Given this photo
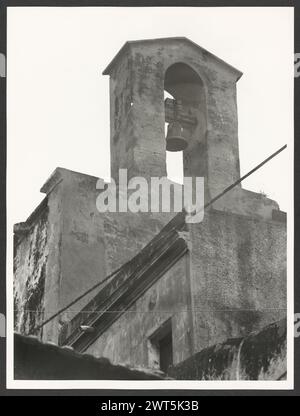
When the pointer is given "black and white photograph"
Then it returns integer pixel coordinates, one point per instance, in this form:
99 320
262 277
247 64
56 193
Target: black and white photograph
150 164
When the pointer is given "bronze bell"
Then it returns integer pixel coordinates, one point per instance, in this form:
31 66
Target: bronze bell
175 141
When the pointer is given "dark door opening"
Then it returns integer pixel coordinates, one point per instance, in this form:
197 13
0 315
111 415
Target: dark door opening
165 352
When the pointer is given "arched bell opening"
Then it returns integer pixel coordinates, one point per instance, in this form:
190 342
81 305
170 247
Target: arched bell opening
185 117
174 160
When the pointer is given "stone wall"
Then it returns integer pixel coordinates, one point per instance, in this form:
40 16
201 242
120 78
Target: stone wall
127 341
37 267
30 262
82 247
261 356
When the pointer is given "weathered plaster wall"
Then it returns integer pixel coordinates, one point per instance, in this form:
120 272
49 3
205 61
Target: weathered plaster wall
127 340
137 110
238 275
37 266
82 246
261 356
237 262
34 360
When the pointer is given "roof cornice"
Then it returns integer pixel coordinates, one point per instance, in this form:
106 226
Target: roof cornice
128 44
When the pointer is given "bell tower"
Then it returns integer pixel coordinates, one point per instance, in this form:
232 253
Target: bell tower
201 116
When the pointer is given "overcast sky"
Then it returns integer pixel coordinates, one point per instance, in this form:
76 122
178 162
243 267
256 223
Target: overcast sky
58 101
